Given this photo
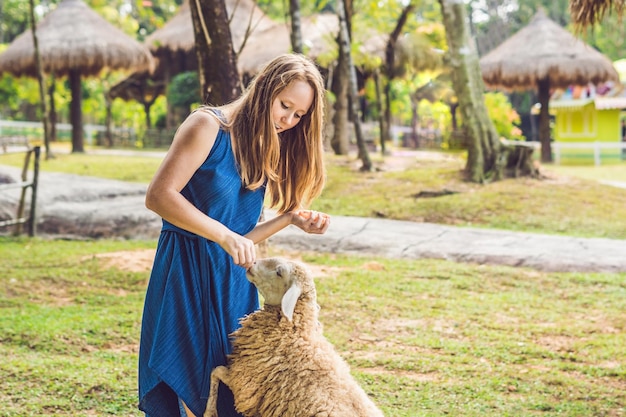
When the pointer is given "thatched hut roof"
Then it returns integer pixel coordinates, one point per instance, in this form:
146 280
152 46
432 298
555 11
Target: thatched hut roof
588 12
177 33
262 46
544 50
73 37
266 40
137 87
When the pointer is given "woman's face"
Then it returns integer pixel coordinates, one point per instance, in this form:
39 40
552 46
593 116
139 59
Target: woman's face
291 104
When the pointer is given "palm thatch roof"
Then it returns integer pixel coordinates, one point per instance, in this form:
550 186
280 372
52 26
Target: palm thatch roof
177 33
543 50
262 46
264 39
174 44
588 12
73 37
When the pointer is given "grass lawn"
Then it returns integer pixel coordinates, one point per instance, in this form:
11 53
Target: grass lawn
608 172
424 338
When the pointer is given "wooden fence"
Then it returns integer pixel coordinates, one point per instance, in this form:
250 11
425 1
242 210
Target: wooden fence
31 154
579 151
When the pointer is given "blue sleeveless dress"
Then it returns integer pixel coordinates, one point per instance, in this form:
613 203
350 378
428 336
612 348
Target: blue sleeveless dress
196 294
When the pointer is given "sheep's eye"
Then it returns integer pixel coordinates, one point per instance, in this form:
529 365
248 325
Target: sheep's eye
279 272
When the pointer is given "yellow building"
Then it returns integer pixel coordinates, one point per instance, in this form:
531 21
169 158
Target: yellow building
586 129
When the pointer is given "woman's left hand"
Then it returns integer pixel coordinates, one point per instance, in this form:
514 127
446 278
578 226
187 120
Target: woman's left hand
310 221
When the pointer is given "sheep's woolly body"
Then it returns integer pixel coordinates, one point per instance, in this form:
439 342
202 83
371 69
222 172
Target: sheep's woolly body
282 368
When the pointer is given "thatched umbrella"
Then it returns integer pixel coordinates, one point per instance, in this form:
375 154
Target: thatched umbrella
174 47
75 41
588 12
175 35
543 55
174 43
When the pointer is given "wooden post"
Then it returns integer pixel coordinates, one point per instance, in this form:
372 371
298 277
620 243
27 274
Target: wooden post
32 224
21 204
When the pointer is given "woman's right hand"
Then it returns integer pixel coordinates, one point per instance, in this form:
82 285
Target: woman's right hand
240 248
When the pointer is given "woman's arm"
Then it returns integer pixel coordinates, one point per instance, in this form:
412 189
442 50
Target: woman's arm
313 222
191 146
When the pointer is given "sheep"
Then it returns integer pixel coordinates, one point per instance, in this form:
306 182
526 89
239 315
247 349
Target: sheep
281 364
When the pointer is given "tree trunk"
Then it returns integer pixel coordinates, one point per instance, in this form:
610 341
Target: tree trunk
543 87
296 26
217 63
386 134
344 45
170 119
53 110
76 118
40 79
108 121
340 139
486 159
382 125
453 106
415 118
390 58
146 109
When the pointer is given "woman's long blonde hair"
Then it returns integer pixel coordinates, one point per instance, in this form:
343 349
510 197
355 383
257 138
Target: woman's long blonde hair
290 163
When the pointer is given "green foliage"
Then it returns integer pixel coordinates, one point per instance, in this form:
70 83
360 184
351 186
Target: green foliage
9 101
152 16
428 111
184 90
14 19
158 112
416 54
603 37
504 117
19 97
279 10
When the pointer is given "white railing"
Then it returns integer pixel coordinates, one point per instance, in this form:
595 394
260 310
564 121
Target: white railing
558 147
89 129
597 147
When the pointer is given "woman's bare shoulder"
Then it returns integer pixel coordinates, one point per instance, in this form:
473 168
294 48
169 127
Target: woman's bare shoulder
203 117
198 126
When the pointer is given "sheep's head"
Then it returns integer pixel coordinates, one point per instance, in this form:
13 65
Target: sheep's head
281 282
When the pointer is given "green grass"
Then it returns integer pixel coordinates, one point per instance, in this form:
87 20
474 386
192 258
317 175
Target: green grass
567 201
69 329
124 168
423 337
607 172
554 204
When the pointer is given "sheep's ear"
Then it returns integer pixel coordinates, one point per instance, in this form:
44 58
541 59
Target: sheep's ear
288 304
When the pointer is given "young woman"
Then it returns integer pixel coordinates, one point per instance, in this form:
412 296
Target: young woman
222 164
